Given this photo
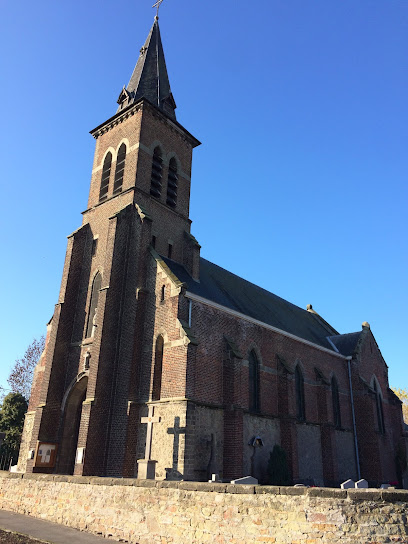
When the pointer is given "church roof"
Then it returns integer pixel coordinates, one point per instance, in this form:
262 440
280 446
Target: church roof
346 343
226 289
150 79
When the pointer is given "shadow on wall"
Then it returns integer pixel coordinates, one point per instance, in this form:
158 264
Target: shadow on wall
173 473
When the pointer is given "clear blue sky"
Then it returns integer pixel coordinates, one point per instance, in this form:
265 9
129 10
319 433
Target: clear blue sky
300 185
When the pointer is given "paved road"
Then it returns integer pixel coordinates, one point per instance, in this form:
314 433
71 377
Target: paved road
45 530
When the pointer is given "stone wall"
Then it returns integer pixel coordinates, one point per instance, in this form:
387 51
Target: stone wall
149 512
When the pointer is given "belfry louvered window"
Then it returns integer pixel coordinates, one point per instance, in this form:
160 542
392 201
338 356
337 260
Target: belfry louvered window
103 193
172 184
157 173
300 395
120 170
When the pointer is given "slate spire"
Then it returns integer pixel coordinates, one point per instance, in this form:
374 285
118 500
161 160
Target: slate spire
150 79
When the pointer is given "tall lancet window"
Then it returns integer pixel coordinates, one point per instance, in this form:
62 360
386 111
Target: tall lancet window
120 170
172 183
157 173
379 406
93 305
103 193
300 394
336 403
158 368
253 366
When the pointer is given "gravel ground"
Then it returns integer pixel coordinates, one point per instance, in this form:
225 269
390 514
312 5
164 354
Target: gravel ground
15 538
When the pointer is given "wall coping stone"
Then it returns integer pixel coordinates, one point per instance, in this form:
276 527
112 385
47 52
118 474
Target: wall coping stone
364 494
241 489
5 474
394 495
208 487
267 489
97 480
327 493
376 495
293 490
167 484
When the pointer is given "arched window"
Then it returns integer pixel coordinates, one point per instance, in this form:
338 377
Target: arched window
379 406
158 368
157 171
254 404
103 193
172 183
336 403
93 304
300 394
120 170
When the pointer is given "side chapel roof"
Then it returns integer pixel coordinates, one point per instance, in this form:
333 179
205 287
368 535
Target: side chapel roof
346 343
222 287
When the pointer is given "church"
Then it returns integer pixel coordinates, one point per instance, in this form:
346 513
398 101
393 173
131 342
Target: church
159 364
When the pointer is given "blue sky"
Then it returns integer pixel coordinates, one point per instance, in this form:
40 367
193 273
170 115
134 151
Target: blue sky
300 185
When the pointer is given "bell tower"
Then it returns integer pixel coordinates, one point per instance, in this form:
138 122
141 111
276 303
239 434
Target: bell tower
143 155
83 405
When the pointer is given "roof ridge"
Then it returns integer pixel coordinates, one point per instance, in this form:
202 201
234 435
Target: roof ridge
345 334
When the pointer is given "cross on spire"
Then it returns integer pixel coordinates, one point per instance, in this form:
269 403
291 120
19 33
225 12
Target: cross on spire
157 5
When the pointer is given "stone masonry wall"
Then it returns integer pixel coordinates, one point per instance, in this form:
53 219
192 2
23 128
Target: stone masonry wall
149 512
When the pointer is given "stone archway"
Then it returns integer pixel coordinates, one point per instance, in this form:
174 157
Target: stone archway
70 431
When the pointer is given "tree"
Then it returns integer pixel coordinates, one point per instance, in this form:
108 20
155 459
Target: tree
21 376
12 414
403 395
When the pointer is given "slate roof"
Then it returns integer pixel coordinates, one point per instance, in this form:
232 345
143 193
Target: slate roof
346 343
222 287
150 79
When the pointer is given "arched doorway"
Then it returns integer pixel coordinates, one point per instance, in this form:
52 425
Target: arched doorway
70 431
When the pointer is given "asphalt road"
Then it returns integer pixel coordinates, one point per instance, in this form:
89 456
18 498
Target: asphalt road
46 530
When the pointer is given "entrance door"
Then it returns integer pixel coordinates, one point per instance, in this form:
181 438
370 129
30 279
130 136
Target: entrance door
72 420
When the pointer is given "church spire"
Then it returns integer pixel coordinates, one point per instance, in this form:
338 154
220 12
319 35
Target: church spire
149 79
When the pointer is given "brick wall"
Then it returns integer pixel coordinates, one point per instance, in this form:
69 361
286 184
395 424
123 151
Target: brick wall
148 512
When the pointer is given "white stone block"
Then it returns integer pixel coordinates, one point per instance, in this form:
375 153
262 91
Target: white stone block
80 456
362 484
348 484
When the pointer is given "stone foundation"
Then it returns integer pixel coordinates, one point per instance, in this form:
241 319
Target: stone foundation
149 512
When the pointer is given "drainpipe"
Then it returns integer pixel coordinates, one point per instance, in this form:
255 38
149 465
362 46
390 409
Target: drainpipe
354 419
190 307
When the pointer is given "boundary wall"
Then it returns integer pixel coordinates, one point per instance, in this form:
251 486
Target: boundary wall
165 512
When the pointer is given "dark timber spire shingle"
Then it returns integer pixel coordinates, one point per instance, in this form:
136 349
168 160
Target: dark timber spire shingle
150 79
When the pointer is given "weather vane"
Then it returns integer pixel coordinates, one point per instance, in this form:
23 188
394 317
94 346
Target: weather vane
157 5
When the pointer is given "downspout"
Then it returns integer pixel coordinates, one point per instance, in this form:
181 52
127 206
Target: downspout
190 306
354 418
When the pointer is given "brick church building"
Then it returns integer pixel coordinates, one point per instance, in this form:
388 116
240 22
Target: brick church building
159 363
